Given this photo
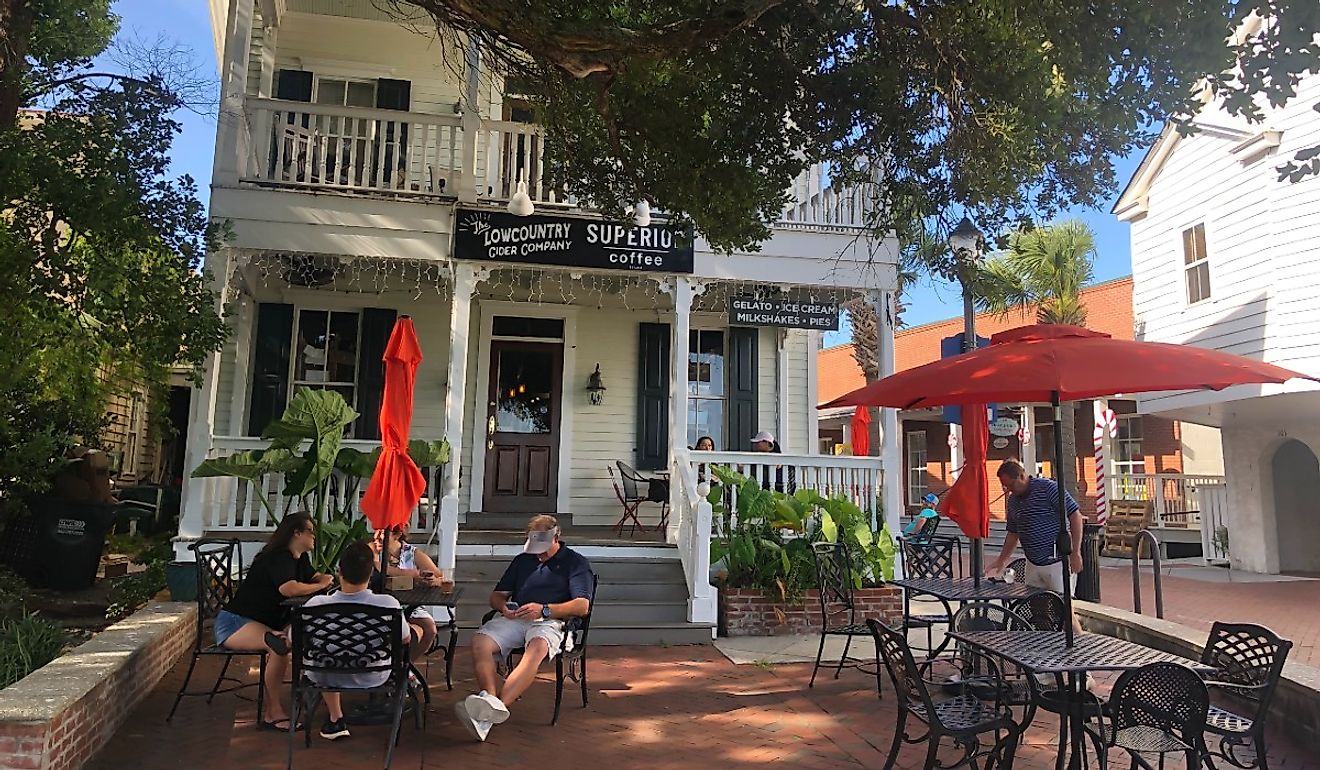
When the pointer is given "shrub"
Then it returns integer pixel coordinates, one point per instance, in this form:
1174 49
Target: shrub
27 643
133 591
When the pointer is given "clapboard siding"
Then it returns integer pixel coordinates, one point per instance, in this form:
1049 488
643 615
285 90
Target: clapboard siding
606 433
798 402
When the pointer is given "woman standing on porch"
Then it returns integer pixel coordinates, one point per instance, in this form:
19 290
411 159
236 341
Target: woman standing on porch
255 618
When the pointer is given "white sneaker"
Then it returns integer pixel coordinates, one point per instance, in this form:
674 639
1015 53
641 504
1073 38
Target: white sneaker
478 730
484 707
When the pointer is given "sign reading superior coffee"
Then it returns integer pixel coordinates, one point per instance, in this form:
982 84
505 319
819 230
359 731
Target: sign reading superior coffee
778 311
499 236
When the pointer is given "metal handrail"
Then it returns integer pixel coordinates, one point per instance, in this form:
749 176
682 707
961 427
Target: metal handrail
1154 541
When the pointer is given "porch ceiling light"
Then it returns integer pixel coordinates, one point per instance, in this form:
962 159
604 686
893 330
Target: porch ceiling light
595 387
520 205
642 213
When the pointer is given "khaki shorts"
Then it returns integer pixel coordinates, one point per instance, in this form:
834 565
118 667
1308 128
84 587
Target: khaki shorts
1049 577
511 634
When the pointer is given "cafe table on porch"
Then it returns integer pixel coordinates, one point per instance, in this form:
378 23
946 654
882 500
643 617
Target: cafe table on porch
948 590
1047 652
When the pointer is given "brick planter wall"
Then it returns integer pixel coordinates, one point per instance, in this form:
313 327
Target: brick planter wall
751 612
60 715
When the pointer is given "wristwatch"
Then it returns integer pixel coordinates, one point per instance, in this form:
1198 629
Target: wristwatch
545 611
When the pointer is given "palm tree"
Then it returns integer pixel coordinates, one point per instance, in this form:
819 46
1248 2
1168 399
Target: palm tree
1044 268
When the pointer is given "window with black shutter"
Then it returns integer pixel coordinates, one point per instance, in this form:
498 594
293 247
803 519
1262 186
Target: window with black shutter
393 95
270 365
653 396
377 324
741 402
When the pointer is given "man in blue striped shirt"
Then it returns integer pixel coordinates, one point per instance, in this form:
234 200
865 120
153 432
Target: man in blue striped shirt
1033 520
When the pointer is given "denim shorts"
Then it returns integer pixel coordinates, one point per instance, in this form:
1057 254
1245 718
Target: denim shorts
227 624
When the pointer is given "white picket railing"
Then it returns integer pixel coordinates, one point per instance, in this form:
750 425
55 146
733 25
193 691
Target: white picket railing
692 516
1214 520
1178 500
858 479
231 505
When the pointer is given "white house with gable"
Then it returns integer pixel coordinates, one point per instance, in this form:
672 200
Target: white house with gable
1226 255
366 168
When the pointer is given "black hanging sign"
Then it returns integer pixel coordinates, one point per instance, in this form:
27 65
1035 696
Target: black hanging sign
498 236
784 311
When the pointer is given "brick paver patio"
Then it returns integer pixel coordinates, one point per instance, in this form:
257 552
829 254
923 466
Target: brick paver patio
677 707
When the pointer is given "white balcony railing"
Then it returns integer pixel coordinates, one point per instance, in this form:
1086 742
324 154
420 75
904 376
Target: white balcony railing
692 517
1177 500
231 505
355 149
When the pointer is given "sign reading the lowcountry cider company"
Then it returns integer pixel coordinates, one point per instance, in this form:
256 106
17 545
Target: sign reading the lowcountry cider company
498 236
786 312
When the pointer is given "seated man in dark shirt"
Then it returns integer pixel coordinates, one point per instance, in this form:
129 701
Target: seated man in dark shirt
546 584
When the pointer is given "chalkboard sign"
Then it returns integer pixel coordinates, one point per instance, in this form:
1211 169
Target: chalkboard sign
784 312
498 236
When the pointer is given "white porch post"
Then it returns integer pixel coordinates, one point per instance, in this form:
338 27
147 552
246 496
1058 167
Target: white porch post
231 145
201 426
460 318
813 394
685 289
781 391
891 449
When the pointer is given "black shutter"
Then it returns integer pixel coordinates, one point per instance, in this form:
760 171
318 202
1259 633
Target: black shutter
743 414
270 365
391 95
653 397
377 324
294 85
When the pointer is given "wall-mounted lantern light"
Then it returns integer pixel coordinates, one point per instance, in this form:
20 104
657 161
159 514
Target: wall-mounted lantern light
595 387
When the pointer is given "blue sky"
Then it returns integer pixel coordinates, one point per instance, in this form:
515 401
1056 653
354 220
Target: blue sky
188 22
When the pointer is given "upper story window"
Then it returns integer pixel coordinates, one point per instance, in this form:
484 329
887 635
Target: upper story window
346 93
1196 264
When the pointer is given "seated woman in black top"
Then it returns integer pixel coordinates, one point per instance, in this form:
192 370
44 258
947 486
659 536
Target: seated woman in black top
255 618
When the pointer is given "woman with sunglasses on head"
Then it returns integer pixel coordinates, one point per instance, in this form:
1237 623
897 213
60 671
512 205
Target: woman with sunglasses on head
256 617
405 559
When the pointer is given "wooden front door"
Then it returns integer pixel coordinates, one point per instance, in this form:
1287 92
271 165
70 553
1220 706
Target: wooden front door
522 427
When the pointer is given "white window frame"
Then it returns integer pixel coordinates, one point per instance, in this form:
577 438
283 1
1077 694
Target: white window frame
917 462
346 80
295 351
721 441
1200 261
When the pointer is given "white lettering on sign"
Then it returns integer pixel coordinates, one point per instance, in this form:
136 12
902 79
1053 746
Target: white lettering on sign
70 527
644 238
542 231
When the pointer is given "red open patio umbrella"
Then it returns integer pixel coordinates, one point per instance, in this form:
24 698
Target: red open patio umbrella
861 432
1054 363
397 484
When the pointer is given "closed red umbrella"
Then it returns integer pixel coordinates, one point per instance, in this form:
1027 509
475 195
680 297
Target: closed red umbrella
1054 363
967 502
861 432
397 484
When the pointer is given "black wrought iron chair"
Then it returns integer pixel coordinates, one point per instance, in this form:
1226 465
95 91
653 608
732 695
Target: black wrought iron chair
838 610
1043 611
1019 567
1019 688
1248 661
938 558
341 639
964 717
219 568
571 662
629 486
1158 709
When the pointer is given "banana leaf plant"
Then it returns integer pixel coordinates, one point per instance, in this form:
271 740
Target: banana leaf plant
321 476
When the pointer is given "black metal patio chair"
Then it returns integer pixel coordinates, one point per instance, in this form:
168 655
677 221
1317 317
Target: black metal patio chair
219 568
1018 687
838 610
963 718
341 639
1043 611
1159 709
939 557
1019 567
571 662
1248 661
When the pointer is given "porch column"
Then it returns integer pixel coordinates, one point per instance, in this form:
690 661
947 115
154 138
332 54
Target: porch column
465 282
781 391
685 289
891 443
232 145
201 426
813 394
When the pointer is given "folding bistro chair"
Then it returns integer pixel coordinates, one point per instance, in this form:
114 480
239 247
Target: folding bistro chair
628 488
217 580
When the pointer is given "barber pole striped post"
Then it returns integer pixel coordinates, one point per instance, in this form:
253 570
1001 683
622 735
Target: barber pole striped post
1106 422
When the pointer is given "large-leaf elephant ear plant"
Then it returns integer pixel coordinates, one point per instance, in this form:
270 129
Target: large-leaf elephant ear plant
320 474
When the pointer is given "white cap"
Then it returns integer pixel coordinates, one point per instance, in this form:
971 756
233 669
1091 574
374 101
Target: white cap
540 540
765 436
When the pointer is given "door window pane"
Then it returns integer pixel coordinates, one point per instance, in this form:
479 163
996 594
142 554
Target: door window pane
313 331
361 94
706 386
525 391
706 418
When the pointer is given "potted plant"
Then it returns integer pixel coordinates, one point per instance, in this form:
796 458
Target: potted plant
321 476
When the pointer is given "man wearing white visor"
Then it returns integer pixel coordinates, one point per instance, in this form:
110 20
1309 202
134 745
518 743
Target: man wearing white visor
544 585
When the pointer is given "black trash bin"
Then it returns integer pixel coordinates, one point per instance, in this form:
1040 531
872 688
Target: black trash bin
1088 583
67 543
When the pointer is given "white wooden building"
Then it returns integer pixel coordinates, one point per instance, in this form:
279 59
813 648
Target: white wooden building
1226 255
366 176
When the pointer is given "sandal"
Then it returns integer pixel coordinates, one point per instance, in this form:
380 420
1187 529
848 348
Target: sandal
277 644
274 724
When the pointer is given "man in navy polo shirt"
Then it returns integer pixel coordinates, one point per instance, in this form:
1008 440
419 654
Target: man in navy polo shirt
544 585
1033 520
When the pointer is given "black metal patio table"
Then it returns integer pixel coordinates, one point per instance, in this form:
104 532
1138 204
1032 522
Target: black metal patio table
1046 652
948 590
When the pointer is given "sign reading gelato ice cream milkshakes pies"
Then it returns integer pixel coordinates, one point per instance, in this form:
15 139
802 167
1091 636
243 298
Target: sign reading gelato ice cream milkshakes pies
498 236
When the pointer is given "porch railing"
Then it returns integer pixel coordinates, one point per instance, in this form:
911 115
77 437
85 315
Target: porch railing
858 479
1214 523
232 505
692 531
1177 500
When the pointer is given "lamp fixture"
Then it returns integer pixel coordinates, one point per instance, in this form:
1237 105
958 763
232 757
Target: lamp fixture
596 388
966 241
520 205
642 213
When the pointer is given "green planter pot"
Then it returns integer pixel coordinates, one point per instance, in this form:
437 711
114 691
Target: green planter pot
181 577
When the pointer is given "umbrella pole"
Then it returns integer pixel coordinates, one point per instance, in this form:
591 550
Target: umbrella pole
1064 543
384 560
977 560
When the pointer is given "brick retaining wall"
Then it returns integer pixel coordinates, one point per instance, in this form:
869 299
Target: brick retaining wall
59 716
752 612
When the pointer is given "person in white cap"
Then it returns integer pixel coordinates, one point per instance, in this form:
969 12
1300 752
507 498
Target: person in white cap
765 442
544 585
